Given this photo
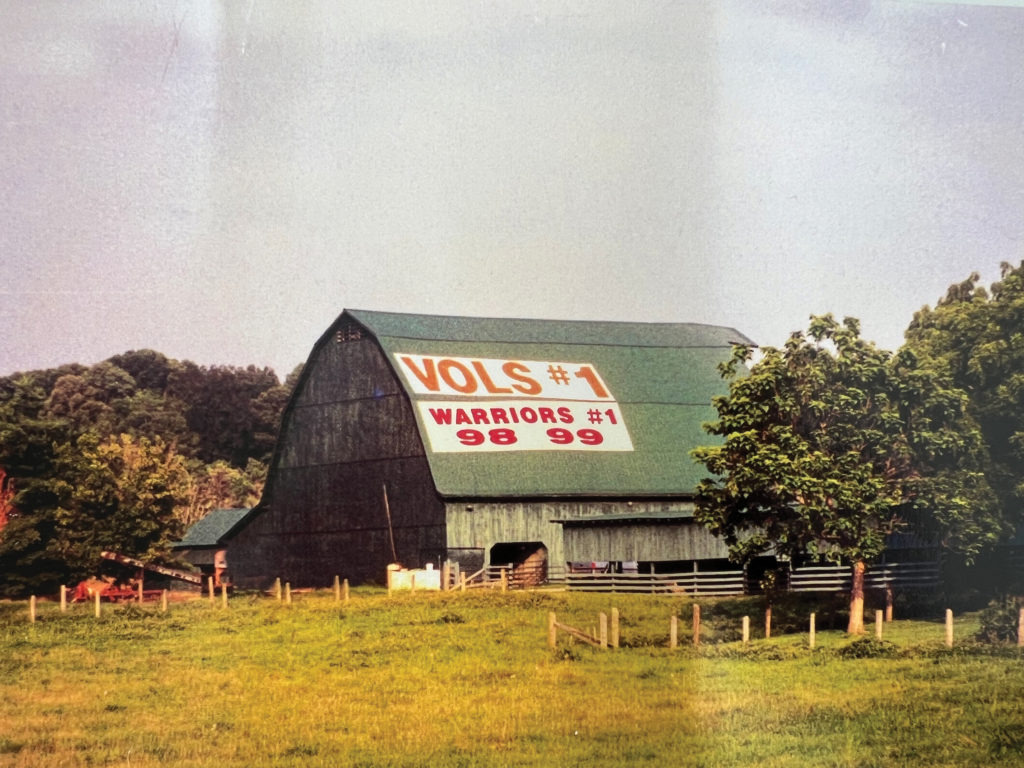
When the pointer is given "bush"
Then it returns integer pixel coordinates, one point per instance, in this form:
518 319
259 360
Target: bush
999 621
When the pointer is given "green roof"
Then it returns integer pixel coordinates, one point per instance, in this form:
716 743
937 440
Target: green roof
661 376
209 531
656 516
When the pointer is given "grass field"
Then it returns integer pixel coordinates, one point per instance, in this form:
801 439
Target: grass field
468 680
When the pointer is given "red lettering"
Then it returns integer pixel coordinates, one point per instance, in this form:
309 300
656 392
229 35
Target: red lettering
565 415
528 415
461 417
468 384
441 415
547 416
526 385
479 416
485 378
428 376
499 416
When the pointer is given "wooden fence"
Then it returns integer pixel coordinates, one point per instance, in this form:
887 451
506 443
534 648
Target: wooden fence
837 578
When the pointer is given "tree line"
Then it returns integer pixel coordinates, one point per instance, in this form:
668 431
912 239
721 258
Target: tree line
125 455
830 446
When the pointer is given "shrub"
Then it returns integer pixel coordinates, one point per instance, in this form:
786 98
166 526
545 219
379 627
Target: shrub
999 621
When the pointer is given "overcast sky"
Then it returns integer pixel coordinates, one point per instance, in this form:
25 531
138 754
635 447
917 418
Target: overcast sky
218 180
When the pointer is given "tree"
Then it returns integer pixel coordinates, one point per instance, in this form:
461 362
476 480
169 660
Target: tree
831 445
976 337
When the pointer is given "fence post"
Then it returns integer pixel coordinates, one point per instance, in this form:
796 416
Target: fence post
140 591
552 629
209 586
888 603
1020 628
673 632
32 609
224 595
288 593
337 588
811 641
163 601
63 599
98 609
446 571
277 588
504 580
602 621
696 624
949 628
462 582
768 622
746 630
878 625
615 627
344 591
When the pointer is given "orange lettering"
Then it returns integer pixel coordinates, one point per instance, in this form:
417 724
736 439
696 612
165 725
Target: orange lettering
468 385
526 385
486 380
427 377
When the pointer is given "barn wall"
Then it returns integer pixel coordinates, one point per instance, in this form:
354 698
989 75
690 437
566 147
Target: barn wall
684 540
348 433
482 525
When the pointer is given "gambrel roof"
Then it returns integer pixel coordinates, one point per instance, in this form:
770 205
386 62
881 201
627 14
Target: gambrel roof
659 379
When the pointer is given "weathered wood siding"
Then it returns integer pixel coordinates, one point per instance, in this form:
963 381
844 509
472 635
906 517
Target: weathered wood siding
348 432
482 525
658 542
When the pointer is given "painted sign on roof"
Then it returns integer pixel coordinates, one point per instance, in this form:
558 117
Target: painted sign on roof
559 407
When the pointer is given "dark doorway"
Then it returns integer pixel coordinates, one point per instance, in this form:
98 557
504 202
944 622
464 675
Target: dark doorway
529 561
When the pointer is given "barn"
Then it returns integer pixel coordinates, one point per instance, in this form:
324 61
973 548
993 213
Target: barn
419 438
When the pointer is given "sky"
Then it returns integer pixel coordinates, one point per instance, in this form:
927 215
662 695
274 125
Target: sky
219 180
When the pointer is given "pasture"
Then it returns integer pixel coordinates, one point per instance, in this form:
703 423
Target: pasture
469 680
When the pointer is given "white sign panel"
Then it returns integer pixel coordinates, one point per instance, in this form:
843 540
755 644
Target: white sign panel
485 404
516 425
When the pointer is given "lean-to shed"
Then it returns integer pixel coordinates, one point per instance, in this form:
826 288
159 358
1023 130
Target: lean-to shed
416 438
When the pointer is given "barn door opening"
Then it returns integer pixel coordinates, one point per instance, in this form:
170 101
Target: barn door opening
529 561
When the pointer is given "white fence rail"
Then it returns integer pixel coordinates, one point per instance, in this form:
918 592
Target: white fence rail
690 583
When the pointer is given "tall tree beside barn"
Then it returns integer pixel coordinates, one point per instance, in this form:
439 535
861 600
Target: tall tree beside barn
831 445
976 336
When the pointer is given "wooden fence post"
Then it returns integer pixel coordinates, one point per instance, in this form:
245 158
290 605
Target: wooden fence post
462 582
696 624
224 595
768 622
446 574
504 580
288 593
277 588
344 591
98 609
32 609
140 591
811 641
552 630
63 599
949 628
163 601
412 582
888 603
337 588
746 630
602 622
1020 628
615 627
878 624
673 632
209 586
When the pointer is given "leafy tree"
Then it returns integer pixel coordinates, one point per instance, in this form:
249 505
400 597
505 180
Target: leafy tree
976 336
831 445
120 495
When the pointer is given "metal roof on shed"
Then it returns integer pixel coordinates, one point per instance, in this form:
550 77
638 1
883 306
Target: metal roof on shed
209 531
663 377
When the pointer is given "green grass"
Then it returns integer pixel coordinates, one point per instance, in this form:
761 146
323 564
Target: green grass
468 680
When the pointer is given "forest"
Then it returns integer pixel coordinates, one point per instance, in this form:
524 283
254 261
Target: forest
125 455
